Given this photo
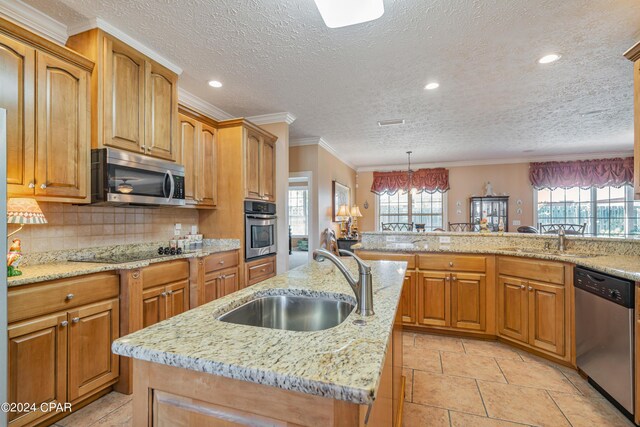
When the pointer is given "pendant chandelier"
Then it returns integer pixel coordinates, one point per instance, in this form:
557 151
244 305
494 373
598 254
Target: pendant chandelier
410 176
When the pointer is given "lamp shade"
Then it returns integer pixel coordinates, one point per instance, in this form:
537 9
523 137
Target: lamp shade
355 212
24 211
343 211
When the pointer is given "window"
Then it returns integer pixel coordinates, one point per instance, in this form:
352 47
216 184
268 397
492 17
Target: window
607 211
421 208
298 211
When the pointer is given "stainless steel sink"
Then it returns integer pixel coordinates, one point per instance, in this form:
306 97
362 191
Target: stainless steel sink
548 252
292 313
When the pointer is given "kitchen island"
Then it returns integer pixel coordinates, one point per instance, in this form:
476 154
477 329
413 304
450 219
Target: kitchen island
196 370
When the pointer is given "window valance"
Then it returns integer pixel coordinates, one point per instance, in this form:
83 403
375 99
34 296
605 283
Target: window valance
427 180
582 173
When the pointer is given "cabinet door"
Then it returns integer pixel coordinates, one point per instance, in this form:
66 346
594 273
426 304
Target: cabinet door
434 299
64 129
211 286
161 112
177 298
468 301
252 165
37 363
408 305
124 97
228 282
546 317
154 306
268 171
208 174
190 156
92 329
513 310
17 85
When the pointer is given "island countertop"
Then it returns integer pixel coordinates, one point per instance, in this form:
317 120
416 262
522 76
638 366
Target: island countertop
344 362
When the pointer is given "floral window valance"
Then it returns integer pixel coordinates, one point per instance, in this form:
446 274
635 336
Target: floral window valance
427 180
582 173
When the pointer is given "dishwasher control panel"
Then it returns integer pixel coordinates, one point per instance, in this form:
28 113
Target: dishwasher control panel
620 291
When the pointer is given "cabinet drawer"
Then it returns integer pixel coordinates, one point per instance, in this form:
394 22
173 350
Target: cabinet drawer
165 272
543 271
384 256
260 270
452 262
43 298
219 261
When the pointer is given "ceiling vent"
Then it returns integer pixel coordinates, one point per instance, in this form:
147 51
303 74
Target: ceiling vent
395 122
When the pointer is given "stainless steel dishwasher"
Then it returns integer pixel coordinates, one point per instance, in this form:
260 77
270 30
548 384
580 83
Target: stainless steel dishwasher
604 334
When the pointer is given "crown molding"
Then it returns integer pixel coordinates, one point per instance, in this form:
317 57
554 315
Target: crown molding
34 20
265 119
321 142
199 104
558 158
124 37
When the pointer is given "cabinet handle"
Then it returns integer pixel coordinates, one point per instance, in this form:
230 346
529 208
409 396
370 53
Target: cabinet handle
454 278
169 292
32 185
223 277
75 319
143 147
522 287
450 263
221 262
149 149
164 294
446 278
69 297
43 186
64 323
263 270
530 288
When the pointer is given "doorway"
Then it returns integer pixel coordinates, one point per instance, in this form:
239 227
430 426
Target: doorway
299 202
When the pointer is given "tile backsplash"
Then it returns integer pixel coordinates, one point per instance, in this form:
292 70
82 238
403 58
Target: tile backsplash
75 227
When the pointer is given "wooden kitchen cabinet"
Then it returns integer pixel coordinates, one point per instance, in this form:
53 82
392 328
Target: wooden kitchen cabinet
408 302
633 54
199 157
46 92
468 301
214 276
259 166
547 320
136 102
513 308
162 302
221 283
261 269
434 298
60 334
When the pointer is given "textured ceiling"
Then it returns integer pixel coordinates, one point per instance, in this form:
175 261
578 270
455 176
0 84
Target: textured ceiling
494 100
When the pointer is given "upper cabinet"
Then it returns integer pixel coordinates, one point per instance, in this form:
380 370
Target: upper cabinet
136 107
260 158
45 89
633 54
199 156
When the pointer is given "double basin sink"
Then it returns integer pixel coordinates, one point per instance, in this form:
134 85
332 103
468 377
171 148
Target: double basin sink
291 313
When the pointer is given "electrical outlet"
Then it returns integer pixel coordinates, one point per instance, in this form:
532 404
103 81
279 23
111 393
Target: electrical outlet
445 239
516 222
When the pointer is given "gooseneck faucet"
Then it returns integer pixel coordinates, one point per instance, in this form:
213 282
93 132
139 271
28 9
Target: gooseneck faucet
363 287
562 240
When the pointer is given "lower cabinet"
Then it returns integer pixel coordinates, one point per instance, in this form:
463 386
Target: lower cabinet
408 301
434 299
214 276
63 356
259 270
220 283
533 312
162 302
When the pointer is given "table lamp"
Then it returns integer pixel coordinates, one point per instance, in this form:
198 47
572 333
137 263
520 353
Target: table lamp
355 214
343 214
20 211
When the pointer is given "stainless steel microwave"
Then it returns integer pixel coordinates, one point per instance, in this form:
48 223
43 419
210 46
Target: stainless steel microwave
121 178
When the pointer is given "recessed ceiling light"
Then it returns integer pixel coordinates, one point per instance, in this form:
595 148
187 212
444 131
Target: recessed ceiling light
340 13
547 59
215 83
432 86
394 122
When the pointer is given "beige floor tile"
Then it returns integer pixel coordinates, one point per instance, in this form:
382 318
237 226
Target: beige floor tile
456 393
459 419
424 416
490 349
439 342
408 338
521 405
584 411
93 412
472 366
581 384
121 417
422 359
532 374
408 387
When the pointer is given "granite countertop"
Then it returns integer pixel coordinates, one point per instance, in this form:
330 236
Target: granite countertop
60 270
626 266
344 362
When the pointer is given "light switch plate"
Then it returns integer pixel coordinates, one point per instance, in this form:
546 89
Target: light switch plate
445 239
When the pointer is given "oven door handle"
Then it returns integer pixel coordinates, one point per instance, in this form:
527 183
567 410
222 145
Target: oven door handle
262 216
172 189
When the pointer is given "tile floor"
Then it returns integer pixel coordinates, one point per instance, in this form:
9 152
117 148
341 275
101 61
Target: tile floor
458 383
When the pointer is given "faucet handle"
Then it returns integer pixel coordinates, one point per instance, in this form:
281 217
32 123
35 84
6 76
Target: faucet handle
362 266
